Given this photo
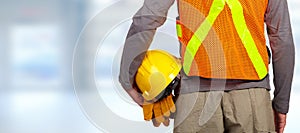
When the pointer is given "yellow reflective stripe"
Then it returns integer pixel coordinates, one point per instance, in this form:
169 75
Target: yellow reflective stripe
179 30
246 37
201 33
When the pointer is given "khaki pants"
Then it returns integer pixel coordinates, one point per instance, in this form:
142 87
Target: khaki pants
237 111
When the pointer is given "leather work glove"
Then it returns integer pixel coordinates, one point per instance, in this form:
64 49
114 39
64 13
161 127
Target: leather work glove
160 111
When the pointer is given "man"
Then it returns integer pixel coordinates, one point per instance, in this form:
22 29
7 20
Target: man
224 80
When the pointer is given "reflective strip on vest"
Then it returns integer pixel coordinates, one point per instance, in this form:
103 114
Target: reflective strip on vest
242 30
179 30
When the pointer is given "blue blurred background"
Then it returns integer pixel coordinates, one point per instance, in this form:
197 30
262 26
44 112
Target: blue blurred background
37 41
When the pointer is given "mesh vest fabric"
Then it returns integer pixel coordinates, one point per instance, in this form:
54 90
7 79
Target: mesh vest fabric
225 51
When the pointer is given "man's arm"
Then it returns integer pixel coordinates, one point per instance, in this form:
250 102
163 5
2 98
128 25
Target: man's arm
145 22
283 57
283 52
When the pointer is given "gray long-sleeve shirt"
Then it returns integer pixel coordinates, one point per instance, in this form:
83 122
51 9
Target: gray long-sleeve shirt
153 14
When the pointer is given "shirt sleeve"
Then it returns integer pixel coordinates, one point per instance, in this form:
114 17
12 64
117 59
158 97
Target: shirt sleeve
149 17
283 52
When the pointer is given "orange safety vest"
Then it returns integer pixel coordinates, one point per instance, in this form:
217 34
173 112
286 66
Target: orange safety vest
223 39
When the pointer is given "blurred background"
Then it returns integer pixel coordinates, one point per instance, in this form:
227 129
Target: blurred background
37 43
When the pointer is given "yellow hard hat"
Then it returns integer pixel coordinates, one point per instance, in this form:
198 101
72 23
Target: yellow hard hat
157 71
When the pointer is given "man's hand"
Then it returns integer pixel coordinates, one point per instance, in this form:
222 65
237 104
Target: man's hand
159 112
136 96
280 121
